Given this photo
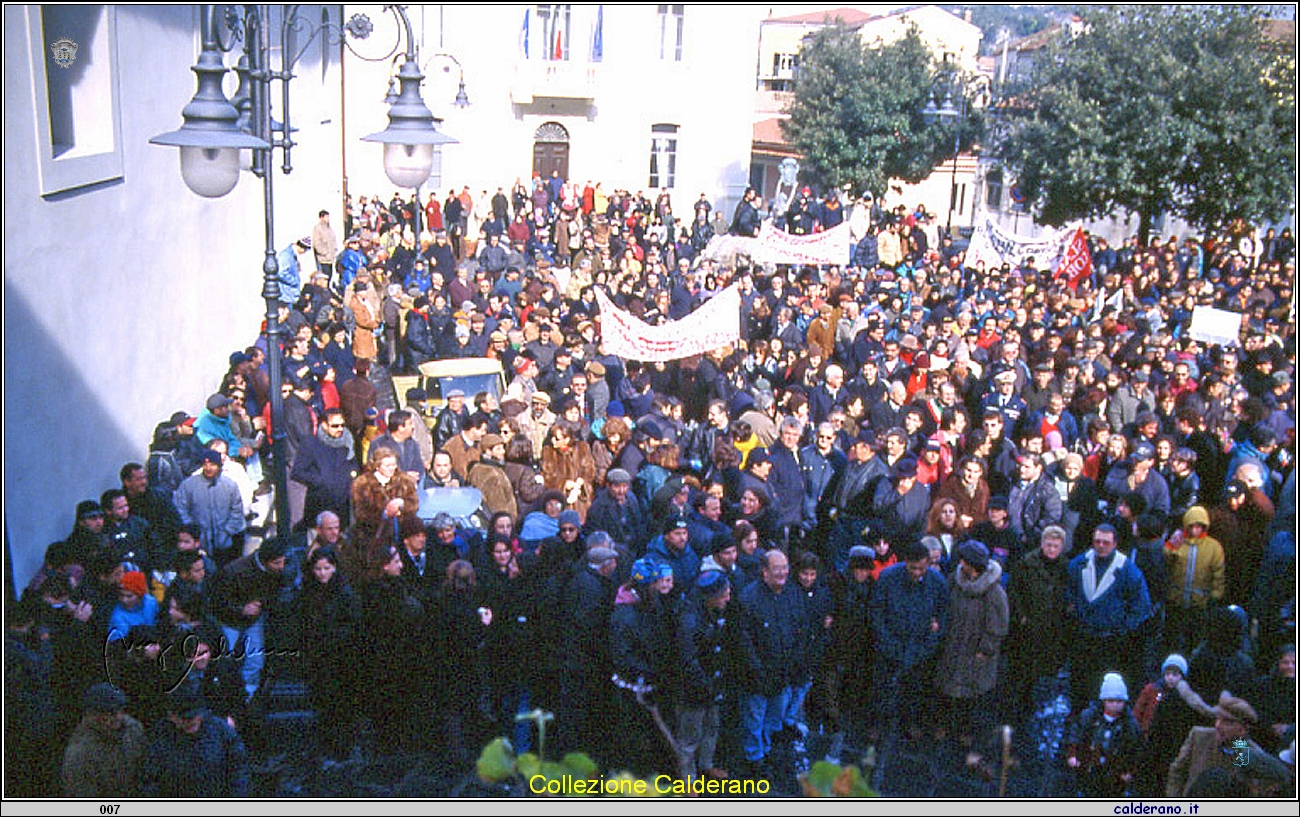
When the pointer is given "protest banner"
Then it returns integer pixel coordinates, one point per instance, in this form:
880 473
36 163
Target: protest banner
716 323
995 247
1210 325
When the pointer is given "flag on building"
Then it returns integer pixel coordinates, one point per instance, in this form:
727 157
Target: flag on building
598 39
523 33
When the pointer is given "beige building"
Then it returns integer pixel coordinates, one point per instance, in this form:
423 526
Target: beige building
948 38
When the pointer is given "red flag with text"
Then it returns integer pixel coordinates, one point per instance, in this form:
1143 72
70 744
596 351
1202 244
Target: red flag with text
1076 264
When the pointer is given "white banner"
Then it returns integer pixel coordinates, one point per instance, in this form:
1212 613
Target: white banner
716 323
773 246
724 248
995 247
1210 325
829 247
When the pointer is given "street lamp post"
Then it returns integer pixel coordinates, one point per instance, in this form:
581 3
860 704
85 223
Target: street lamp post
944 115
395 161
212 136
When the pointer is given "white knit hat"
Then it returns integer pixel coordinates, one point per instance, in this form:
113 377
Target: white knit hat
1113 687
1175 660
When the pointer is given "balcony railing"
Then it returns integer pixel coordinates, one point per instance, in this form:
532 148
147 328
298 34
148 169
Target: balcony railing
558 79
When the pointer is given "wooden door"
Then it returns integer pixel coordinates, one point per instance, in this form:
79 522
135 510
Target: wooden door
548 156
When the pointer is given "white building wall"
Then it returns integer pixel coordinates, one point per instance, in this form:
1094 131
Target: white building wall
709 95
123 300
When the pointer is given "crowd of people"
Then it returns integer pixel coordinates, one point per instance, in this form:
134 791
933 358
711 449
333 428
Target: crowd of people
912 493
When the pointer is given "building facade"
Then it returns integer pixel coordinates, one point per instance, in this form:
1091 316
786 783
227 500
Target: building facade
637 97
949 192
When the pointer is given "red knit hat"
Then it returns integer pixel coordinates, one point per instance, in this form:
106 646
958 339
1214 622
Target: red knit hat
134 582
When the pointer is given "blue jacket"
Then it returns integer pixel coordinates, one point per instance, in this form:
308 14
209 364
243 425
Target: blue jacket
867 253
1244 452
211 764
1119 607
286 261
902 613
210 427
1154 489
121 620
1012 411
702 531
349 262
685 565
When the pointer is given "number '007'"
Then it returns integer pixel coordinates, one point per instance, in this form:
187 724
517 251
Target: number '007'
110 809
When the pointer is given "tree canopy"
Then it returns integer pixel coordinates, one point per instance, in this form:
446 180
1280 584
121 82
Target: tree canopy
1154 109
857 111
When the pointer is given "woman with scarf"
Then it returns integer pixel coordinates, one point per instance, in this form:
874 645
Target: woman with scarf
381 497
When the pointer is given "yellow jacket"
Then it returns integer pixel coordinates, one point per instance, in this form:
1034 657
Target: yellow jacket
1206 571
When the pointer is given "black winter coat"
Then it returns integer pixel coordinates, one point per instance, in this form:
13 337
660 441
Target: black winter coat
707 648
328 473
774 632
628 524
1038 595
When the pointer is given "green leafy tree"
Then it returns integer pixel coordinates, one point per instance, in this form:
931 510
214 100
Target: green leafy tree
1156 109
857 111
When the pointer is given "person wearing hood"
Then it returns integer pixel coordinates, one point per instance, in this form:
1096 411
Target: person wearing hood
1196 578
968 662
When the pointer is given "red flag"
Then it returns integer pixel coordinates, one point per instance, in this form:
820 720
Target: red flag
1076 264
559 44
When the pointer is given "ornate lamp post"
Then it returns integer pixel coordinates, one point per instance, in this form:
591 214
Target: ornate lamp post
214 133
952 114
944 115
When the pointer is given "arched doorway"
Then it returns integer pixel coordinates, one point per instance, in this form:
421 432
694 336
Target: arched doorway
551 150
